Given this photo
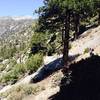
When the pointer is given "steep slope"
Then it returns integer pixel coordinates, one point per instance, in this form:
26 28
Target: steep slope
15 36
89 39
15 32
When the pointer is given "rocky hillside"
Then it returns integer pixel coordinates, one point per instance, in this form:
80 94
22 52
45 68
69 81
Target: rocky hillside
80 49
14 31
90 39
15 37
11 25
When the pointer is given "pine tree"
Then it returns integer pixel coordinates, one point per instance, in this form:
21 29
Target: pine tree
56 16
97 9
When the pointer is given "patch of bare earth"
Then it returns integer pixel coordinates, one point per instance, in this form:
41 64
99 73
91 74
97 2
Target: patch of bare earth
89 39
51 87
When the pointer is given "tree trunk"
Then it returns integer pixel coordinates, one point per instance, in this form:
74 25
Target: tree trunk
77 25
99 17
66 40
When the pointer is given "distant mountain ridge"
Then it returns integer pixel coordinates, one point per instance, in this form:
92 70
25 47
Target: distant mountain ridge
10 25
15 17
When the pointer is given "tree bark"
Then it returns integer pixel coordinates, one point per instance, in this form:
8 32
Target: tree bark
66 40
99 17
77 25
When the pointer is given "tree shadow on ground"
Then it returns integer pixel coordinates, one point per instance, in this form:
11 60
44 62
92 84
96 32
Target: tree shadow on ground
50 68
85 81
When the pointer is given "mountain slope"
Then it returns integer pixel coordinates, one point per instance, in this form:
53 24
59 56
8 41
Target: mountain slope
15 32
11 25
89 39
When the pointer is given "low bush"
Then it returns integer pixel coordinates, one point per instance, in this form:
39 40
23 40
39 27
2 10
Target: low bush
9 78
86 50
2 67
51 50
34 62
19 70
13 75
38 43
21 91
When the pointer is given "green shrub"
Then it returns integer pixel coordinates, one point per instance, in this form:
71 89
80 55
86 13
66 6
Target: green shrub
9 77
38 38
12 63
34 62
38 43
19 69
86 50
7 52
50 50
21 91
2 67
13 75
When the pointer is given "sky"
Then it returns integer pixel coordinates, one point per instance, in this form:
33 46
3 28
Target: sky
19 7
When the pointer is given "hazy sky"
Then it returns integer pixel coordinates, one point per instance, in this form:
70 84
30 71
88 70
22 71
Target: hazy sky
19 7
